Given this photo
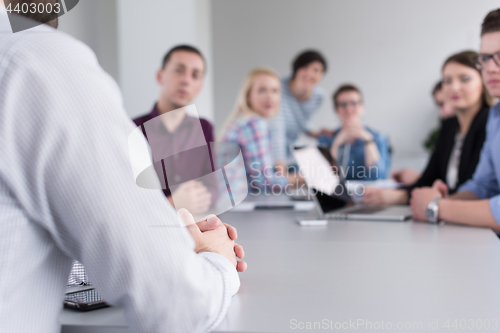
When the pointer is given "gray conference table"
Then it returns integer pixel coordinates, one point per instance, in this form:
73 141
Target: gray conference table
350 275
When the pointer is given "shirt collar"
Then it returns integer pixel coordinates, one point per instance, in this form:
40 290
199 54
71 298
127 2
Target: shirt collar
496 107
188 121
155 112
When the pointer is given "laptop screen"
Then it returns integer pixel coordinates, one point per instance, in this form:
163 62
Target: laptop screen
323 177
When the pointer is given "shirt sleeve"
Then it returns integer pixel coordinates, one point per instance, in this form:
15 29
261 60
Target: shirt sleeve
325 140
278 136
380 168
495 207
484 182
69 157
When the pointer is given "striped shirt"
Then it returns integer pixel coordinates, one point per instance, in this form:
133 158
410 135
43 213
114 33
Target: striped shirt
293 119
67 192
251 133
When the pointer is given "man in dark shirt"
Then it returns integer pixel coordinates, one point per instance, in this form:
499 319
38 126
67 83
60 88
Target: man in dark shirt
181 138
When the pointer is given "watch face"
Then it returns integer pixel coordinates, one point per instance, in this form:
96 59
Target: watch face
431 212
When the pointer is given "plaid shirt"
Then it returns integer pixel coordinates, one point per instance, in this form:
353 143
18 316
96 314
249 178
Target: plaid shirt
292 120
251 133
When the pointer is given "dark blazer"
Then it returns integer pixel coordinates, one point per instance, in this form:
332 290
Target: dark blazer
437 168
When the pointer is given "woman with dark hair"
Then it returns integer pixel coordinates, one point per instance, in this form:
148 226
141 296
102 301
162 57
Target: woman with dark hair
445 112
461 138
301 98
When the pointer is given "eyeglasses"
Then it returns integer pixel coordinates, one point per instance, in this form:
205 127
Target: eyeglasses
482 60
344 105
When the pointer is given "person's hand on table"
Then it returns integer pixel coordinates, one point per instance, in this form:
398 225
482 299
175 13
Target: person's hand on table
405 176
281 167
211 235
296 180
379 196
420 199
373 196
193 196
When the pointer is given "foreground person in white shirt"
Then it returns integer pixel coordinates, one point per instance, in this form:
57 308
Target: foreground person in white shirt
67 192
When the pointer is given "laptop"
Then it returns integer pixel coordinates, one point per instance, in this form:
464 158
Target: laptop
330 194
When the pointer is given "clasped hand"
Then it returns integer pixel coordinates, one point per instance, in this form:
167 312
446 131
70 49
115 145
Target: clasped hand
211 235
421 197
352 131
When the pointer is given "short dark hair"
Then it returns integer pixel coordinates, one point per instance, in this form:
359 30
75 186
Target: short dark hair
49 18
183 47
491 22
345 88
437 87
305 58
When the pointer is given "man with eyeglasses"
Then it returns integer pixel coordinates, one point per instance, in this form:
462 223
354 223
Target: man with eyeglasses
361 152
477 202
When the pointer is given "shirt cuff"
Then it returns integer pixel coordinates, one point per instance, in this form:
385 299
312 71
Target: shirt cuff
229 274
470 186
495 208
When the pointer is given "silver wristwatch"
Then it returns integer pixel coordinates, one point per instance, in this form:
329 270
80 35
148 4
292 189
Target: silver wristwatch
432 211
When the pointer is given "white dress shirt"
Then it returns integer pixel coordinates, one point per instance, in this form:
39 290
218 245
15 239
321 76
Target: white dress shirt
67 192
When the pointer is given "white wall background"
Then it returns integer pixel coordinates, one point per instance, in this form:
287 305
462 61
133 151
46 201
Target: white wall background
146 35
392 49
95 23
130 39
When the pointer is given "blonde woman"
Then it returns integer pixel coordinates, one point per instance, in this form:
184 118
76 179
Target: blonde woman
258 101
